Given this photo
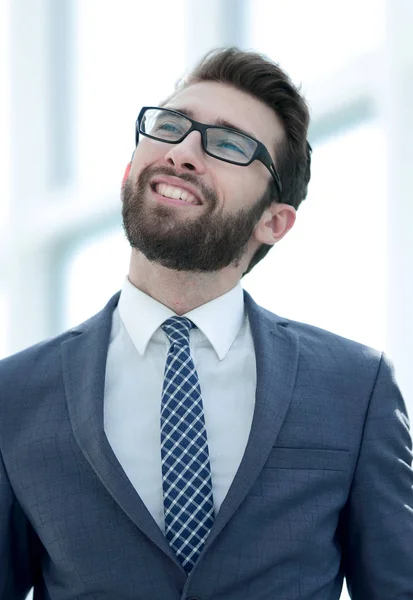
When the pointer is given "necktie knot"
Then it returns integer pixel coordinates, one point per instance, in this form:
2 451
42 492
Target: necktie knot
177 330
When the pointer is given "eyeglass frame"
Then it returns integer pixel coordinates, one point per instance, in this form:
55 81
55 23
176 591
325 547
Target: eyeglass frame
260 153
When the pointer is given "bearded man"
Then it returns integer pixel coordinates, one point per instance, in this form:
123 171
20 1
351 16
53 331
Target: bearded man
185 443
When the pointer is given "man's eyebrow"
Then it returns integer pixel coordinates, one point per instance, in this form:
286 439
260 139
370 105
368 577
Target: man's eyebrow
219 122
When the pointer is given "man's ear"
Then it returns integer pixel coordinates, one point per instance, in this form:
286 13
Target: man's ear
126 174
275 222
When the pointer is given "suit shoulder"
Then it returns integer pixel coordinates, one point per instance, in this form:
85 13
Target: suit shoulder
314 334
309 336
23 360
327 351
47 352
316 341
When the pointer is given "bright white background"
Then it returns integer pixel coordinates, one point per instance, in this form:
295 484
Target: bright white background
73 76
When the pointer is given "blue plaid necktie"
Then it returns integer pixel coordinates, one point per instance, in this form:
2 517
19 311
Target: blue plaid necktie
186 472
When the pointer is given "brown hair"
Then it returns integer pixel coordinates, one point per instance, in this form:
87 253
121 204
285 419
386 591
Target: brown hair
259 76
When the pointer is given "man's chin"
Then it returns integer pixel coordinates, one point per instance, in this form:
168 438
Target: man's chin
175 213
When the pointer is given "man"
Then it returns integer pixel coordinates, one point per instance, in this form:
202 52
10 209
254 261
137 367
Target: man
184 442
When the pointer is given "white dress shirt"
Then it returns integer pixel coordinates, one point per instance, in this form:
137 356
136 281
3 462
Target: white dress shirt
223 353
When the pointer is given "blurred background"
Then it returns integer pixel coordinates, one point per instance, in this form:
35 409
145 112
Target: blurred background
73 76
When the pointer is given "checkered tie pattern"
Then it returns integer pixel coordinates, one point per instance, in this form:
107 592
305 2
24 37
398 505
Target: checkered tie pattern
186 471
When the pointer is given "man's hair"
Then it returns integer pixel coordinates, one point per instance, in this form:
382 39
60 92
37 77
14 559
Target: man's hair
260 77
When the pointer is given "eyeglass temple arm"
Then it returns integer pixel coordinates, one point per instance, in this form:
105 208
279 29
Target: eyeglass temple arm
276 177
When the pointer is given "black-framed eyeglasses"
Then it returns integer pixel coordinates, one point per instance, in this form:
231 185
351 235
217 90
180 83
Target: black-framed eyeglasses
224 143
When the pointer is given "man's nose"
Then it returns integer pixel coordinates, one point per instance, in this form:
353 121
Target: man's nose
188 155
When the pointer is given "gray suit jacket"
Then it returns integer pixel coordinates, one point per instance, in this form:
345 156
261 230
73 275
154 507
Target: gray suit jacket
324 489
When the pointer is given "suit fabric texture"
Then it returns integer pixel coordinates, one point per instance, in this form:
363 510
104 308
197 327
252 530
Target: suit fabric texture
324 489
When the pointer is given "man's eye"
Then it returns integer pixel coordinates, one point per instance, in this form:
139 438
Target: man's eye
167 127
231 146
171 129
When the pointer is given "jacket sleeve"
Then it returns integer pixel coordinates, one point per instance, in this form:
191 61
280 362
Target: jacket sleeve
16 545
378 528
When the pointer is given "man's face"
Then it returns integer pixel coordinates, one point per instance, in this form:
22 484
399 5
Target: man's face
213 228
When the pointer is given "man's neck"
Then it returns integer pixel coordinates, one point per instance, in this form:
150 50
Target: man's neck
181 291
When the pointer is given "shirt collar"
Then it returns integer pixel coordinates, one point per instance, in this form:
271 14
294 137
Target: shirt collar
219 320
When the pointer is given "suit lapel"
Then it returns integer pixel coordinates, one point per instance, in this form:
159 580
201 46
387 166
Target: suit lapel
84 363
276 350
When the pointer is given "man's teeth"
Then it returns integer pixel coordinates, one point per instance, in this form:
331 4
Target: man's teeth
170 191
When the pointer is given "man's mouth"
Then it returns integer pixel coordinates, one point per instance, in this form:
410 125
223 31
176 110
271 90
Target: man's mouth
175 193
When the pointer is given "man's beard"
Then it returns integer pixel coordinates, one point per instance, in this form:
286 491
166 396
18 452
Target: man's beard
208 243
